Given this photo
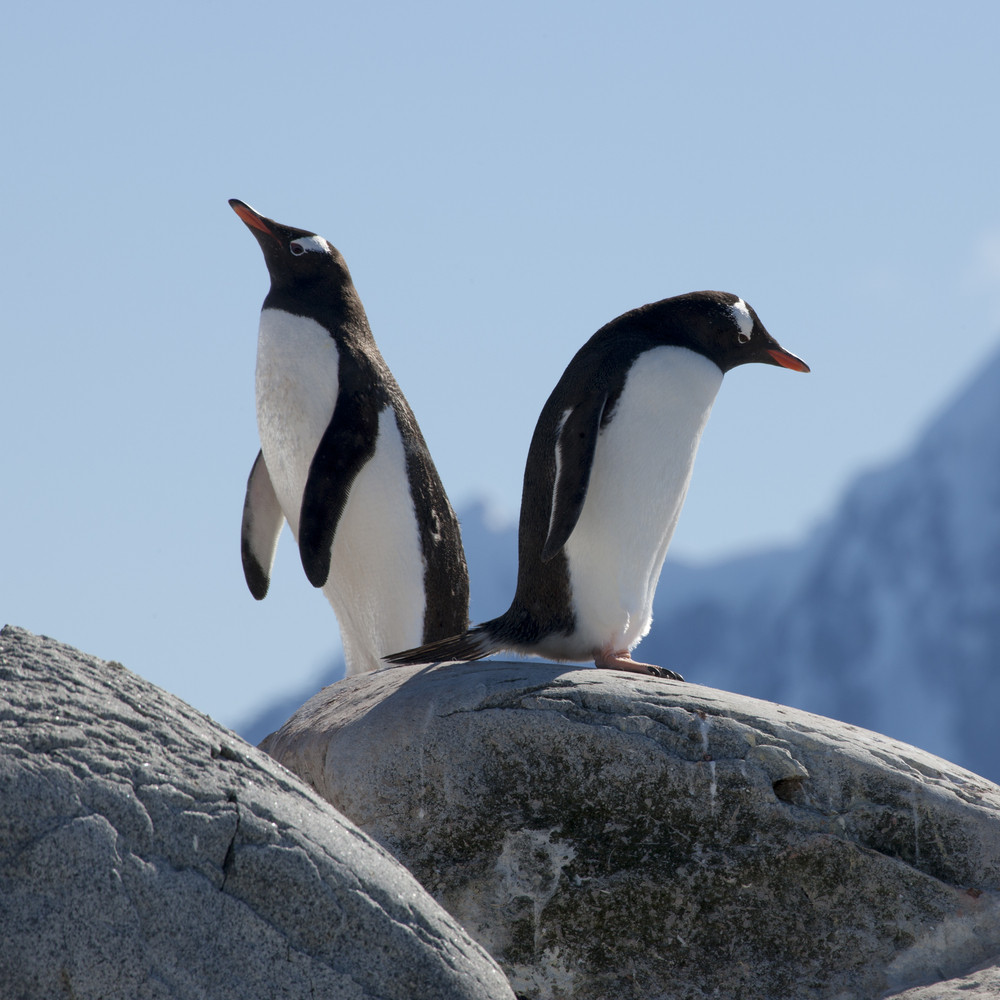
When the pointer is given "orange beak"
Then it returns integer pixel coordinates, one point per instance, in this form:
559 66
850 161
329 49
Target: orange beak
249 216
787 360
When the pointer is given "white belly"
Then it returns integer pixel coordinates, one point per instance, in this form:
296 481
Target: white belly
640 475
296 392
376 581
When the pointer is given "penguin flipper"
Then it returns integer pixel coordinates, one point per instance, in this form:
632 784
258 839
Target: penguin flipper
347 444
473 644
576 441
262 523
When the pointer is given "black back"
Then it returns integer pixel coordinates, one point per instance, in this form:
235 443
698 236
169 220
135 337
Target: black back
581 404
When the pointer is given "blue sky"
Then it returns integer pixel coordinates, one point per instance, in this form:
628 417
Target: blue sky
501 182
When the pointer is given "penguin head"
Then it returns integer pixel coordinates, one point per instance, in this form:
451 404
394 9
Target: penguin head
294 257
725 329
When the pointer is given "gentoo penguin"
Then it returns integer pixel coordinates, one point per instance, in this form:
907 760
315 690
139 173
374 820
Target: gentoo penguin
607 472
343 461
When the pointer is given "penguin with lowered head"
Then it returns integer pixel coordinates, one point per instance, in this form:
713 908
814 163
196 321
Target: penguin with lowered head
607 472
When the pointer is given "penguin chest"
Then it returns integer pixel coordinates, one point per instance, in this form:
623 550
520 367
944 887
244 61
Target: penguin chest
638 480
296 385
376 578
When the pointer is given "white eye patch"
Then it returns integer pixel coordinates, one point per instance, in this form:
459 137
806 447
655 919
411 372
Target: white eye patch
744 321
311 244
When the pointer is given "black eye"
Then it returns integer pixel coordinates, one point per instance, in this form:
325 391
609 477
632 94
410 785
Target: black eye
295 249
742 338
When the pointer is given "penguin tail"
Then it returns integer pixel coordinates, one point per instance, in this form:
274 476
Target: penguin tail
471 645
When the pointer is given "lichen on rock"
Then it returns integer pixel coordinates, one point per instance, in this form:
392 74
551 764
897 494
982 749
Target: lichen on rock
609 835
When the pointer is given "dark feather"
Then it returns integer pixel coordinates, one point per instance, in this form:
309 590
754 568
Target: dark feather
575 448
347 444
471 645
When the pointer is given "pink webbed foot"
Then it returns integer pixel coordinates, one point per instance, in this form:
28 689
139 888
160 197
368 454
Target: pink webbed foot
621 659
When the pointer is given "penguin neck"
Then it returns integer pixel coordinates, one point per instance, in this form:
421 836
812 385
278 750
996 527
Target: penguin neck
335 306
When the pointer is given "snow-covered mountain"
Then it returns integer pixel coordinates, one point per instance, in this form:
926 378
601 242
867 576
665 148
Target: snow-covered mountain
887 617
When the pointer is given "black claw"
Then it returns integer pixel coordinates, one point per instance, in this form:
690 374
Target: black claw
670 675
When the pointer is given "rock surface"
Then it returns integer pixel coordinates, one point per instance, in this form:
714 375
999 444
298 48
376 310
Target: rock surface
146 852
981 985
606 835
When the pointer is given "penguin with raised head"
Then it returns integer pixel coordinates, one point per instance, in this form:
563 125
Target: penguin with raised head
607 472
343 461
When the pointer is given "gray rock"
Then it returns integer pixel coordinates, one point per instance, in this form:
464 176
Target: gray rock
983 984
614 836
146 852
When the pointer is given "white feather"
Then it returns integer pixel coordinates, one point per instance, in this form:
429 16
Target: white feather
558 457
376 581
296 385
744 321
313 244
640 475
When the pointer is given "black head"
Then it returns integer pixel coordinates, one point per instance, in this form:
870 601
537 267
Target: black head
294 257
719 325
